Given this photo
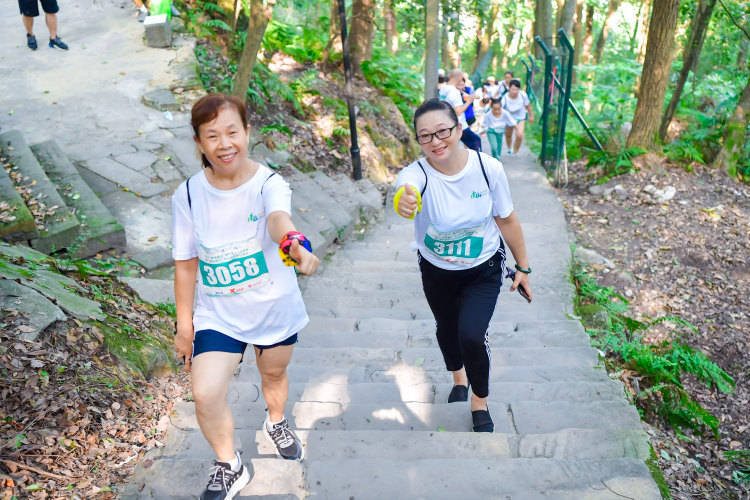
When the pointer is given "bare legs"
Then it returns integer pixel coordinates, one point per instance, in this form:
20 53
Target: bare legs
50 19
519 130
272 365
459 378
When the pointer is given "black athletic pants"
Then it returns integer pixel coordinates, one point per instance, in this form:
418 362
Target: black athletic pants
463 302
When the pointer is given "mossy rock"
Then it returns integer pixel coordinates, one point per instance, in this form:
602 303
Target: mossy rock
595 316
148 354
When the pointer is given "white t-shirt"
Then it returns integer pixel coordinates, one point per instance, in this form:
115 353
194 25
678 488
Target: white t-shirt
244 290
504 120
452 96
493 91
517 106
502 89
455 228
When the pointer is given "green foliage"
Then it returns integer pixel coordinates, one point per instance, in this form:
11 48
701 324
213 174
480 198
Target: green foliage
304 43
660 368
167 308
278 127
741 458
613 163
403 84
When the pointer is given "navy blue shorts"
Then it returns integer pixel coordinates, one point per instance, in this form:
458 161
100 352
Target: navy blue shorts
211 340
30 8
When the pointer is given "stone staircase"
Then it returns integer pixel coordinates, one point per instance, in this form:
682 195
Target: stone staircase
368 390
49 205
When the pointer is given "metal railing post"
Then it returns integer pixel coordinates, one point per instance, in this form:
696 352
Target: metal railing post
548 62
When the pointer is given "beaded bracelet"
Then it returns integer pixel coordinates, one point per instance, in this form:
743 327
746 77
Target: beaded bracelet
525 271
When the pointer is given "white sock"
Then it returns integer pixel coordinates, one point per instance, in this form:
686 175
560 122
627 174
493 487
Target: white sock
235 463
270 424
143 8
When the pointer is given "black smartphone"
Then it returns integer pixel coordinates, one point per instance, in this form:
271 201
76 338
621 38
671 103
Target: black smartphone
511 273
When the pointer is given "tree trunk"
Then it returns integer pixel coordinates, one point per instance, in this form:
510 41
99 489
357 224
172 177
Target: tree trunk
655 74
742 54
485 31
568 16
334 33
690 55
543 25
236 17
578 32
602 38
361 33
391 29
643 31
588 36
734 134
432 46
260 15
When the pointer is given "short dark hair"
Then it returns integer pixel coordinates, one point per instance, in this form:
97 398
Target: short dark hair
441 79
207 109
435 104
515 82
495 100
509 73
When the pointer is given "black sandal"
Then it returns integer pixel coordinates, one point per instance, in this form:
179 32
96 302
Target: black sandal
482 421
459 393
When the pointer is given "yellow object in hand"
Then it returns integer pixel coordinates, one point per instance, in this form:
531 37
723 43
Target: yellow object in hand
400 192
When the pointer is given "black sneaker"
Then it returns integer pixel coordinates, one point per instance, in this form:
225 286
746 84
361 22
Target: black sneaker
31 41
482 421
224 483
459 393
57 42
287 444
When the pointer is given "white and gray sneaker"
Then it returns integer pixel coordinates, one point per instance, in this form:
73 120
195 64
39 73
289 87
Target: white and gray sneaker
223 482
287 444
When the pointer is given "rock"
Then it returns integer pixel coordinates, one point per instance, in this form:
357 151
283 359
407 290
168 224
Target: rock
594 316
40 312
659 195
586 256
24 252
602 189
161 99
151 290
158 31
620 192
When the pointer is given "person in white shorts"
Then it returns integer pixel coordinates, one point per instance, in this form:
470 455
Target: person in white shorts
232 230
460 200
517 104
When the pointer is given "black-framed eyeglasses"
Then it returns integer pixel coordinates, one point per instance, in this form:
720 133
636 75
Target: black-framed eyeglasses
443 133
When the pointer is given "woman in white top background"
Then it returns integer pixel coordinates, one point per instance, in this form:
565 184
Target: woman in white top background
517 104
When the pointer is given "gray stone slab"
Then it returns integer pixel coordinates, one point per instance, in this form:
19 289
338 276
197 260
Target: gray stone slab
99 229
160 99
39 312
16 251
366 479
158 31
166 171
148 229
185 155
60 227
92 149
140 161
121 175
98 184
151 290
17 223
57 287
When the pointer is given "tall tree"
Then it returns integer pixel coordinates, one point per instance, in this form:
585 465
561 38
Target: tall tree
588 34
391 29
334 33
363 12
604 33
260 15
543 23
486 30
643 31
432 47
578 32
567 16
690 55
655 73
734 134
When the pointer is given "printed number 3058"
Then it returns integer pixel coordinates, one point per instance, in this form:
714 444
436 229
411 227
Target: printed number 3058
234 272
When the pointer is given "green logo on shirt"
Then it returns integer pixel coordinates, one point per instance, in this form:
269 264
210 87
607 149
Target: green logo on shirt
252 218
476 196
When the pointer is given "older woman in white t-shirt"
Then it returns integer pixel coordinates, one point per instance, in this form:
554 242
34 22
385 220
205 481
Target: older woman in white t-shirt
462 207
517 104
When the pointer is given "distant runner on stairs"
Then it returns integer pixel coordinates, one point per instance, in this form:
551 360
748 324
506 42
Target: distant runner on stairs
461 203
232 230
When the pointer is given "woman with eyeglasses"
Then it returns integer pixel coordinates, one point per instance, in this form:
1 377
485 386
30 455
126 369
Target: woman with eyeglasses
463 211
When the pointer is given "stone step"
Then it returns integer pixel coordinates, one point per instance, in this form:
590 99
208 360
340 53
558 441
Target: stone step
409 374
525 312
99 229
387 357
17 223
60 228
567 444
366 479
524 417
342 391
187 477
